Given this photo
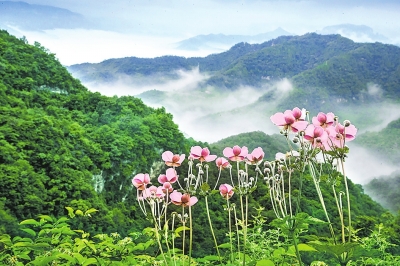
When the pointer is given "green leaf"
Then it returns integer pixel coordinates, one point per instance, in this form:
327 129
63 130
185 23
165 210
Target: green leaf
90 261
29 231
62 219
30 221
66 257
24 256
305 247
302 247
279 252
337 250
313 220
79 212
139 246
225 245
46 217
211 258
70 212
6 239
180 229
22 244
79 258
265 263
43 261
88 212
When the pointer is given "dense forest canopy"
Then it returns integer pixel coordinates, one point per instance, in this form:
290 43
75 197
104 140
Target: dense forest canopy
58 139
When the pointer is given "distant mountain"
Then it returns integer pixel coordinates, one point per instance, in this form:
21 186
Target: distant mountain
328 64
358 33
385 190
221 41
39 17
386 142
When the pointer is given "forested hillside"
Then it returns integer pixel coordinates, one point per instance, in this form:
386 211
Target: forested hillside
62 145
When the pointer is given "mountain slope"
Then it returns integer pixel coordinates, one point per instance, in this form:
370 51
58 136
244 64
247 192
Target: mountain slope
329 63
61 145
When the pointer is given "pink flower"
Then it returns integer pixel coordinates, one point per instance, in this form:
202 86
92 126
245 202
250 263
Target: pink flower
149 192
167 187
202 154
140 181
256 156
183 200
171 159
222 163
153 192
236 153
339 134
160 192
226 191
290 120
170 176
323 120
316 135
298 114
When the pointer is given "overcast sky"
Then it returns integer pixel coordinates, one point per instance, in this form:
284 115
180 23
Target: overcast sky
149 28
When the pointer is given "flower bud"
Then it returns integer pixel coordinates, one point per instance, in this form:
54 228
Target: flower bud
346 123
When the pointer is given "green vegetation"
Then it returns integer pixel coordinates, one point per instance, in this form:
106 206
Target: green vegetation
67 151
63 145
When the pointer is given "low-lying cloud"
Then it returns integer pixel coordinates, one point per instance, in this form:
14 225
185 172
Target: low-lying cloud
203 112
209 114
75 46
133 86
363 165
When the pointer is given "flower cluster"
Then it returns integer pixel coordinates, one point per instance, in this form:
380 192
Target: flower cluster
165 193
322 134
325 132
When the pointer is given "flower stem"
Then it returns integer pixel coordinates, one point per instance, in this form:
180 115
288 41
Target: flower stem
158 240
184 236
347 196
237 228
230 228
212 230
245 230
293 236
191 234
321 199
173 238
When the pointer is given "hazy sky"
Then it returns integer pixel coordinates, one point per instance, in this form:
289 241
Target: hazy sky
149 28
